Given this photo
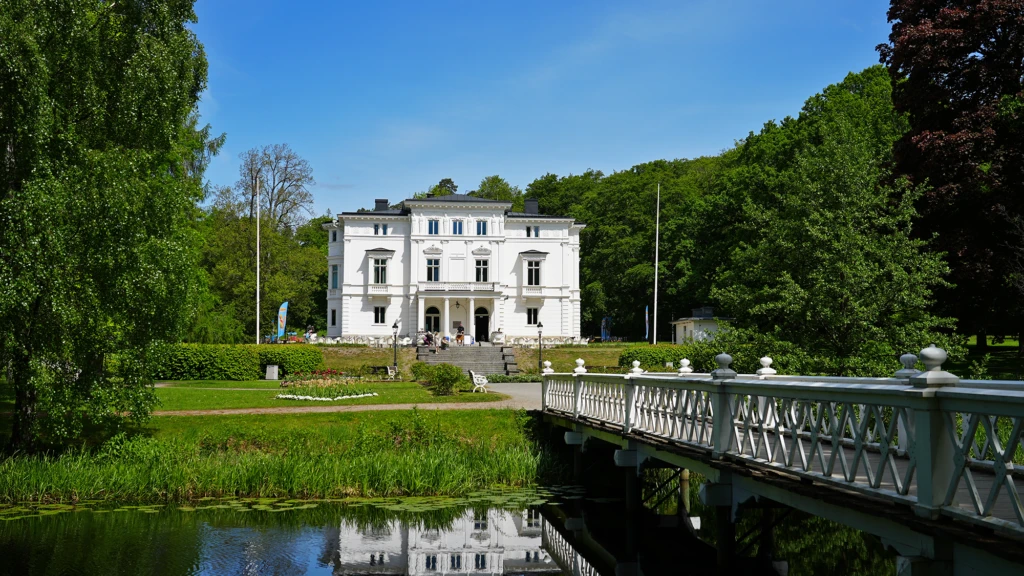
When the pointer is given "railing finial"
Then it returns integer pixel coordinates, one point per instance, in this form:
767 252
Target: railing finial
579 369
908 361
547 367
933 375
684 367
636 369
723 372
766 367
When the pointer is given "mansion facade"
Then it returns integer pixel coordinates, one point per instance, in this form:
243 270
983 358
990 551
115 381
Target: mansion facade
440 262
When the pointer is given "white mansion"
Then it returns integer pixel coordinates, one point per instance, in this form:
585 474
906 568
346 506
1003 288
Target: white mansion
439 262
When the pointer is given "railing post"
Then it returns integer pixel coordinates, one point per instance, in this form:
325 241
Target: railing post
577 387
630 400
905 429
722 418
544 392
932 446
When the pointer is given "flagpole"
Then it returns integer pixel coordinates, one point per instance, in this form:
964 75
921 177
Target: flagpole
257 260
657 238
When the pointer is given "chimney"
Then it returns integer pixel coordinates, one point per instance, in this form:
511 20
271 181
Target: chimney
531 206
380 204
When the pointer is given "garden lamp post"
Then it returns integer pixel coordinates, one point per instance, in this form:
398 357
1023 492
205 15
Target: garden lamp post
394 344
540 346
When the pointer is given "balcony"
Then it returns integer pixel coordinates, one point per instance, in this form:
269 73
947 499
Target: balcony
457 286
379 289
533 291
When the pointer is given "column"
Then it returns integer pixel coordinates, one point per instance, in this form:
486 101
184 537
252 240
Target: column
444 318
472 319
419 314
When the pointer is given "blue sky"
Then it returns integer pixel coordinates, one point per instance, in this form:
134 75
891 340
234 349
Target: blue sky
386 98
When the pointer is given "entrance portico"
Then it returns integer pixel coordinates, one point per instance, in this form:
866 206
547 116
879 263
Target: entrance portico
476 313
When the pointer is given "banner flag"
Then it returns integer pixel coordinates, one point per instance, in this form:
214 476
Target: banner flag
282 316
647 324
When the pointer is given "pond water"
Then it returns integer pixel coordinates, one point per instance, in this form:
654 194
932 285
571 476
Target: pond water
556 530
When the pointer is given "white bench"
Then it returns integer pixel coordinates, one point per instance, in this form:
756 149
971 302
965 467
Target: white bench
479 381
392 372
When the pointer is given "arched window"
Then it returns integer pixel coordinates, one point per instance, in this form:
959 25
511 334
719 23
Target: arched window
432 319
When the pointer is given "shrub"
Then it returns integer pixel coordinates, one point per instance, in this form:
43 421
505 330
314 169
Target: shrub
291 357
230 361
446 378
205 362
514 378
422 372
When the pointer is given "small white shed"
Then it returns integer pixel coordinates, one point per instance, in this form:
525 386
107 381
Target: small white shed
701 326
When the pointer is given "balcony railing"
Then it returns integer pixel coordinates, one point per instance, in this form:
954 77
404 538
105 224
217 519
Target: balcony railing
532 291
379 289
457 286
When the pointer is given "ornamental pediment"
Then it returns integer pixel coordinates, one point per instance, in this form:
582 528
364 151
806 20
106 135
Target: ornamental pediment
433 250
482 251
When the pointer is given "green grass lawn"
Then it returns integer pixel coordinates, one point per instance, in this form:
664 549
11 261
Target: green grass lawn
563 358
350 359
191 397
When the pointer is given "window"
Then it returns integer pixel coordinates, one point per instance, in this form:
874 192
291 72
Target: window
334 276
481 227
378 314
433 269
481 270
480 562
533 273
456 561
479 523
431 563
334 235
532 518
433 227
533 231
380 271
531 316
333 317
376 229
457 227
384 229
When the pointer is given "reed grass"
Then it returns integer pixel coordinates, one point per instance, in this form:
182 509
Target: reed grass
408 454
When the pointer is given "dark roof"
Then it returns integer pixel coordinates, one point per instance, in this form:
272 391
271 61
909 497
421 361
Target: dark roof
511 214
458 198
389 212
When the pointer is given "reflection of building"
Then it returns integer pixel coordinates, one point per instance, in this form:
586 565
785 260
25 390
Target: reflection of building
498 542
701 326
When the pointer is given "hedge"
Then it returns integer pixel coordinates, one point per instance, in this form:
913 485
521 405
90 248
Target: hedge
231 361
786 358
513 378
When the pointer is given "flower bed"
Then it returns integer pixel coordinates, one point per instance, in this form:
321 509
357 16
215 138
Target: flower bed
323 386
323 399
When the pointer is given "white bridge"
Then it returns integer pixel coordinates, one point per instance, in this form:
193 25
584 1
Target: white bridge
924 460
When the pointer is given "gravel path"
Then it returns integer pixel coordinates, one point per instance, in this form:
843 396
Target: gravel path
526 395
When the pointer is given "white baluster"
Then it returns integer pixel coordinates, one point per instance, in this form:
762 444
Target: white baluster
766 368
580 368
636 368
547 367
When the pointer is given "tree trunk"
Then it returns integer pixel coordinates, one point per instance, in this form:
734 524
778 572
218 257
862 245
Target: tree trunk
981 343
22 436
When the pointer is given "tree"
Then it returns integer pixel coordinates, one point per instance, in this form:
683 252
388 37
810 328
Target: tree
957 71
824 256
444 187
99 177
284 178
497 188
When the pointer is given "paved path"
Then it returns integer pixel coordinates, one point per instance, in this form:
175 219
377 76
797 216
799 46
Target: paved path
524 395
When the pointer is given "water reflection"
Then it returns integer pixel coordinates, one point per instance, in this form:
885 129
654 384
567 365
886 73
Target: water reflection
478 542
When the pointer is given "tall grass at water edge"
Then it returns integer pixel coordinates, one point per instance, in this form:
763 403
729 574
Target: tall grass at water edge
404 456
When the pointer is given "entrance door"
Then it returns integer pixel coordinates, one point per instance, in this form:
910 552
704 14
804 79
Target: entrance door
482 323
432 319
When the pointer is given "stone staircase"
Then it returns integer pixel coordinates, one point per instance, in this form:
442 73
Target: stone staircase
479 359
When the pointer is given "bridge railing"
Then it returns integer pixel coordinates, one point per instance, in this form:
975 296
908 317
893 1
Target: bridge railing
924 438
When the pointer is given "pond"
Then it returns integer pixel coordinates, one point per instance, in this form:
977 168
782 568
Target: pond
553 530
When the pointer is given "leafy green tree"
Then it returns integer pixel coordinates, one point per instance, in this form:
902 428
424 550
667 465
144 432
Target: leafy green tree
497 188
99 162
824 255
